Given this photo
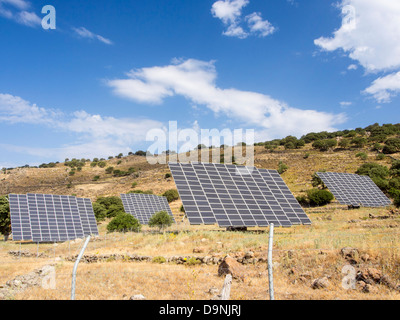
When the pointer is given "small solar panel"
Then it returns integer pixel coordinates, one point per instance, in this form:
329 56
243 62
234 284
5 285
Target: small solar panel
353 189
144 206
51 218
234 196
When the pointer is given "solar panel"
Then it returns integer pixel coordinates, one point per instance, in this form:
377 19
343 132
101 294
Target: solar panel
50 218
144 206
353 189
20 221
234 196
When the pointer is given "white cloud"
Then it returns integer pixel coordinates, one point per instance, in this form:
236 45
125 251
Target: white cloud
384 88
230 13
85 33
196 81
352 67
96 135
258 25
345 104
370 34
17 10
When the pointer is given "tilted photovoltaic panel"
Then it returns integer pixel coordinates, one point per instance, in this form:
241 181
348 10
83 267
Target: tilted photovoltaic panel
51 218
235 196
144 206
54 218
89 223
20 221
353 189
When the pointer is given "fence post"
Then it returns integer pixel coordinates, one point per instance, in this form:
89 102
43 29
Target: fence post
226 289
270 269
76 267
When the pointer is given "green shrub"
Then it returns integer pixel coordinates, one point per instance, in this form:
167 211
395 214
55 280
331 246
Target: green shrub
114 210
159 260
100 212
109 170
282 168
107 202
5 220
161 220
124 222
303 200
306 156
380 156
317 197
171 195
142 192
167 176
134 184
359 142
362 155
193 261
396 201
324 145
102 164
96 178
391 146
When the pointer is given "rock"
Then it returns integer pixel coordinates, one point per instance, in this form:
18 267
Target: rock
213 291
369 275
232 267
198 250
321 283
249 255
138 297
367 288
351 253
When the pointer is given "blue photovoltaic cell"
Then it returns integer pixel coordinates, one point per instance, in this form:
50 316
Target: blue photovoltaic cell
144 206
353 189
234 196
51 218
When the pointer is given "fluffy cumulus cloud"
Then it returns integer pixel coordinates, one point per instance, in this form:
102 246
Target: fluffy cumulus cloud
18 10
231 15
196 81
384 88
370 35
94 133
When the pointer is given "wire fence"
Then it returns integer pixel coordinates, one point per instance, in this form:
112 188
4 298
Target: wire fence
182 265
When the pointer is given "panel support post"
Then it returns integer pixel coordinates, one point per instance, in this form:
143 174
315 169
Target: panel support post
76 267
270 267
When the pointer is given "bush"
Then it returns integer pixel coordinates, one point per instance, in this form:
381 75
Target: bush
107 202
161 220
193 261
380 156
306 156
96 178
362 155
391 146
302 200
115 210
159 260
167 176
100 212
5 220
344 143
318 197
396 201
171 195
359 142
124 222
282 168
316 181
324 145
134 185
109 170
141 191
102 164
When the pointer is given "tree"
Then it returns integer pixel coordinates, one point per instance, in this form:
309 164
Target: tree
161 220
5 220
316 181
391 146
171 195
344 143
359 142
124 222
324 145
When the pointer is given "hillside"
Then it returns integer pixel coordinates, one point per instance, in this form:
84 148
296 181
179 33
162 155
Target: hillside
308 260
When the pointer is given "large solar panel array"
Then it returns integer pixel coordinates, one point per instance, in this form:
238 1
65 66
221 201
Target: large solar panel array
233 196
353 189
144 206
51 218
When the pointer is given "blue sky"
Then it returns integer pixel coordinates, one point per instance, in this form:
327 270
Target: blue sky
113 70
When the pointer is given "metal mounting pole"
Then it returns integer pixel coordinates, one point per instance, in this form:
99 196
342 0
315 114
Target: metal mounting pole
270 269
76 267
